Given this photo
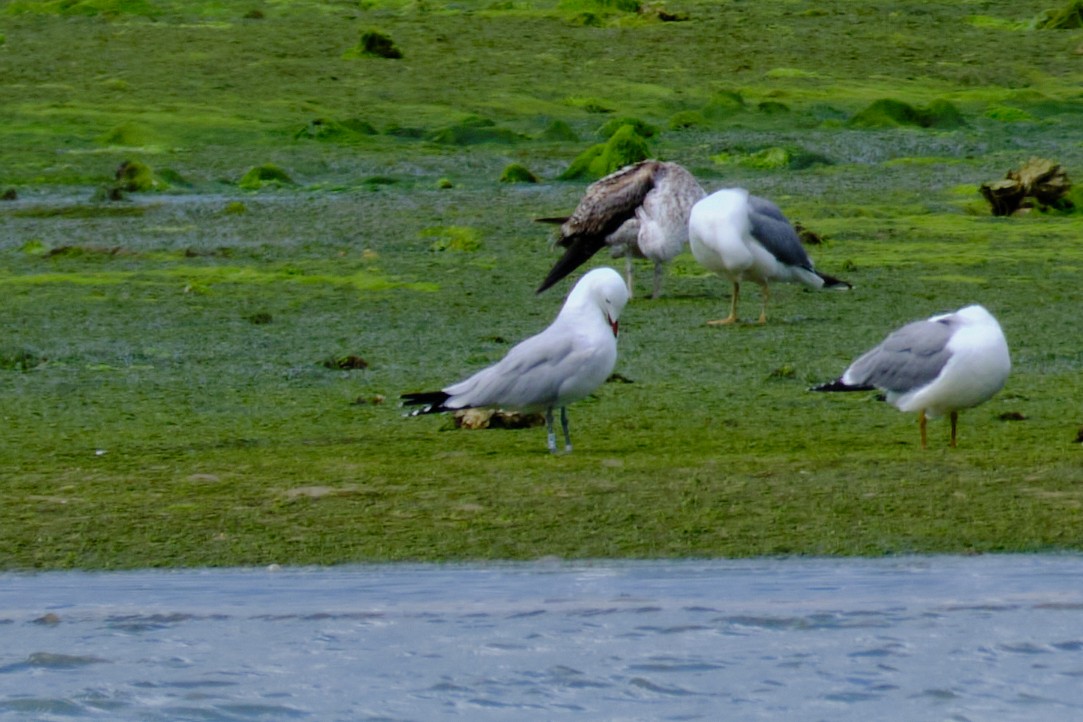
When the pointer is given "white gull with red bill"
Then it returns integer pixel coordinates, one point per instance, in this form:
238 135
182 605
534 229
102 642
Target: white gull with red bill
561 365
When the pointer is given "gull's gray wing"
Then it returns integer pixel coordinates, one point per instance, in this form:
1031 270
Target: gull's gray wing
908 359
534 373
773 230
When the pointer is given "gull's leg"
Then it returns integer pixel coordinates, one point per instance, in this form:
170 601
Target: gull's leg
921 425
733 308
954 421
564 426
549 427
659 272
628 271
766 298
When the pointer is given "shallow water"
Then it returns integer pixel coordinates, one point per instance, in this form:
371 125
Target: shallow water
946 638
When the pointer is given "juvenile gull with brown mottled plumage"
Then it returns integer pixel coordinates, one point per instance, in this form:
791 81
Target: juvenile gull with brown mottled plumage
640 210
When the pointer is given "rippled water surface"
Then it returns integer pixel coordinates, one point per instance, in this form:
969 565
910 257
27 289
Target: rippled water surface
937 638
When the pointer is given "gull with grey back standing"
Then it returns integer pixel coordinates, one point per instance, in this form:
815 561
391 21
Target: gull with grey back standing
941 365
564 363
747 238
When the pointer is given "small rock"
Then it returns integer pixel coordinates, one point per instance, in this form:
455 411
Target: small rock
348 362
496 419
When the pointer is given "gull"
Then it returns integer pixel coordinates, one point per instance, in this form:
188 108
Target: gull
940 365
747 238
640 210
564 363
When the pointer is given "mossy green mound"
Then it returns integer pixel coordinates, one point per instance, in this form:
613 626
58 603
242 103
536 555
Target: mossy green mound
346 131
455 239
625 146
559 131
890 113
517 173
687 119
597 13
104 8
472 131
723 105
1008 114
374 44
133 176
1067 17
20 360
132 135
641 128
772 158
267 174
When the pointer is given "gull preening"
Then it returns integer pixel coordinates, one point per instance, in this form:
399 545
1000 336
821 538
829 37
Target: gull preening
564 363
940 365
640 210
747 238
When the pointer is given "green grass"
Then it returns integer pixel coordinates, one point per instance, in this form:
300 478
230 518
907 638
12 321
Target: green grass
163 389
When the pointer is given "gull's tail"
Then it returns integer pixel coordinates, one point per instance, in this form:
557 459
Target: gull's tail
840 385
431 402
832 282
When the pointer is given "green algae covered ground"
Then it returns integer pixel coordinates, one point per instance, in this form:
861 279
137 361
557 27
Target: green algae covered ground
172 389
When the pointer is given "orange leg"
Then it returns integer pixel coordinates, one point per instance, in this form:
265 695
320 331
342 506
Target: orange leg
766 298
732 318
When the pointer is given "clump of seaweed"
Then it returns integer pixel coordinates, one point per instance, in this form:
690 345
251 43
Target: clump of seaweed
345 131
460 239
105 8
642 128
131 135
772 158
133 176
724 104
473 130
625 146
890 113
1068 17
559 130
517 173
20 359
374 43
349 362
687 119
262 175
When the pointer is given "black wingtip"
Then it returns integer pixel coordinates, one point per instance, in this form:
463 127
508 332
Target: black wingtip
839 385
431 402
578 252
832 282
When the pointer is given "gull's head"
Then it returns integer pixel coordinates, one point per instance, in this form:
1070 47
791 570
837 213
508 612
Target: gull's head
604 289
976 314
